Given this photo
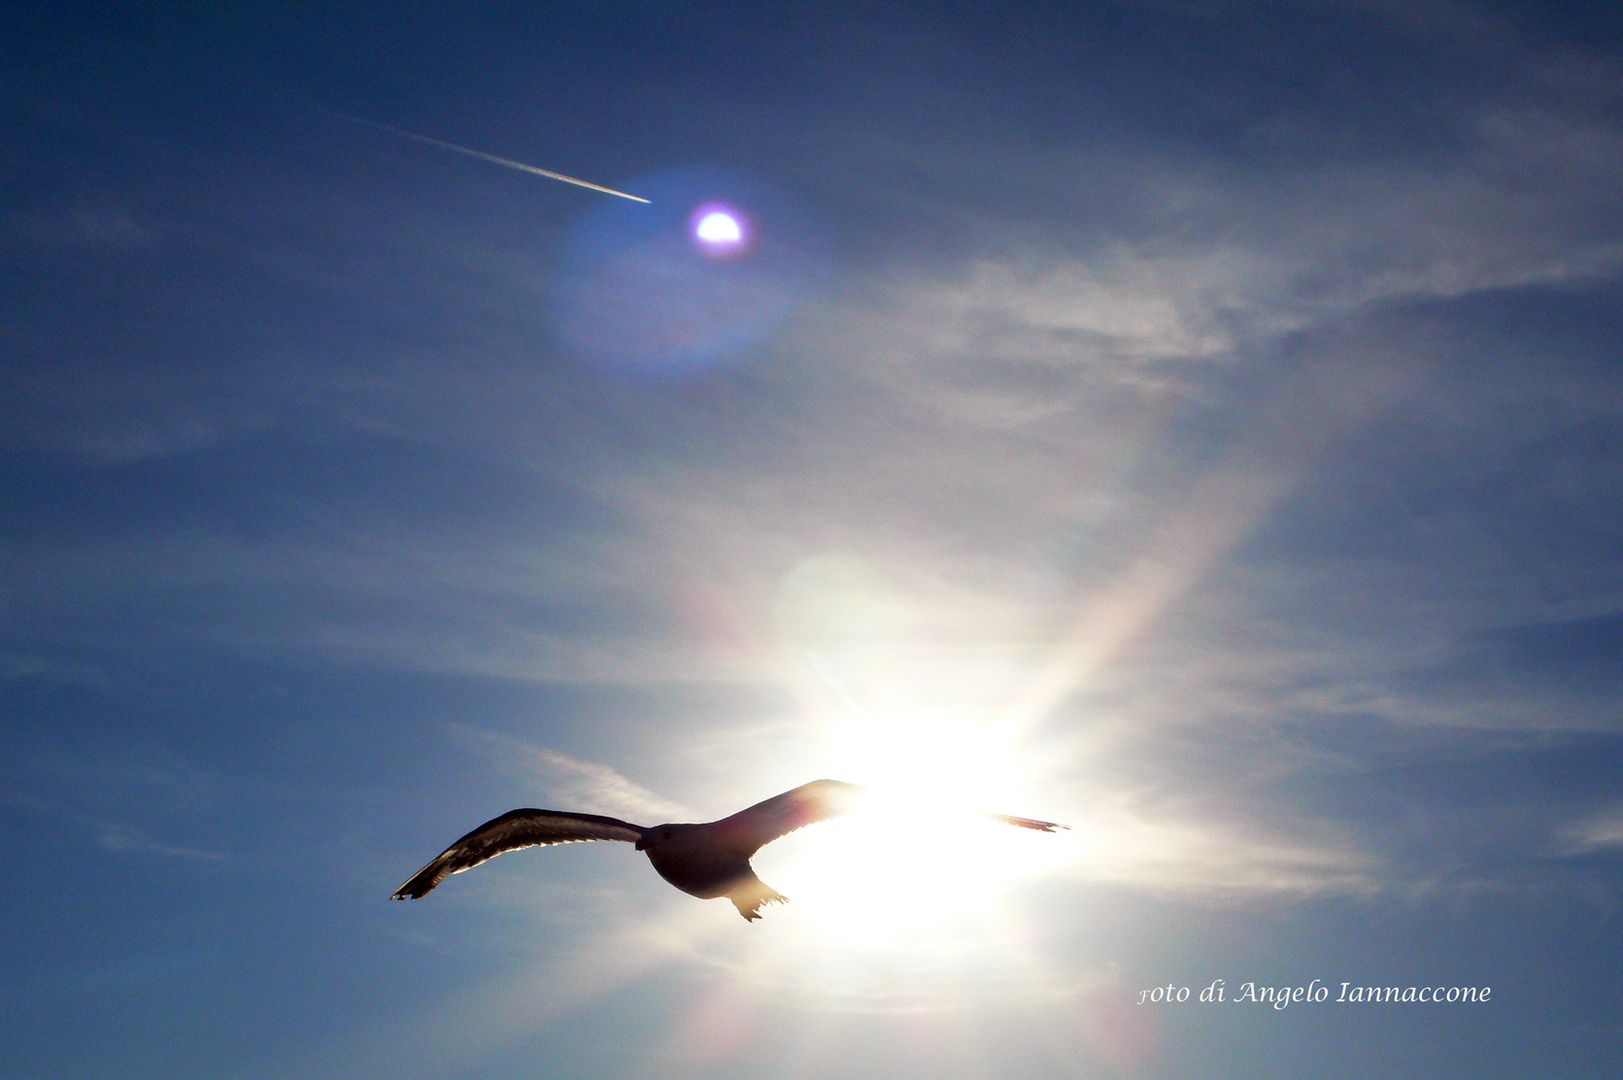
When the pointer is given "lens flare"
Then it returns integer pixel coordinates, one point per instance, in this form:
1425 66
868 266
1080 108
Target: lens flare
717 227
719 230
706 273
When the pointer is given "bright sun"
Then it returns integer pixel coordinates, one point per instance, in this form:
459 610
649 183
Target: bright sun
920 857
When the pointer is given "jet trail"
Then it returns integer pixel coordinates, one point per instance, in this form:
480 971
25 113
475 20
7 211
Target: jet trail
492 158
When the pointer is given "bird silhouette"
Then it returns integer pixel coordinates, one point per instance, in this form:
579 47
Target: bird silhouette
709 860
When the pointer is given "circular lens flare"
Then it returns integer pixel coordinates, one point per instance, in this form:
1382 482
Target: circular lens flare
668 290
719 230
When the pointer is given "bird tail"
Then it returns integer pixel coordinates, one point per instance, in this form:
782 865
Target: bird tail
751 894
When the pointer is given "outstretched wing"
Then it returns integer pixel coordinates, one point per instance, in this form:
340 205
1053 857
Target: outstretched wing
515 829
816 801
1027 823
808 803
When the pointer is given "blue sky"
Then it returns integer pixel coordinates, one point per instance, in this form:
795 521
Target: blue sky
1199 423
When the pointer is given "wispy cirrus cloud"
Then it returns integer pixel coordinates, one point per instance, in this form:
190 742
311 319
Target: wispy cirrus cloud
116 834
1222 427
575 784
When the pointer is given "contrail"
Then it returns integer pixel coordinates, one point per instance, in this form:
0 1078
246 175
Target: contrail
482 156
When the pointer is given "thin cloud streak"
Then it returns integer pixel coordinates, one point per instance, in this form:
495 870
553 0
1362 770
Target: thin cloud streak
576 784
118 836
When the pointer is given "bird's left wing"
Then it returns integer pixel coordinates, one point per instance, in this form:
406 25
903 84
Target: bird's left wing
808 803
515 829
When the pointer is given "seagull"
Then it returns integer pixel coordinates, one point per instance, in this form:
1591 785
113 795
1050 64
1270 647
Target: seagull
709 861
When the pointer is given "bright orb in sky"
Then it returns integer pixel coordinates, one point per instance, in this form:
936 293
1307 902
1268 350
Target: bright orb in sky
944 887
719 230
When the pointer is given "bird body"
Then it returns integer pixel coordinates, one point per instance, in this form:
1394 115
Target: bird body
702 860
709 860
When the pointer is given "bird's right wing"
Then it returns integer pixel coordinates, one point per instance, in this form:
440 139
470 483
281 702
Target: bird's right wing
515 829
772 818
1026 822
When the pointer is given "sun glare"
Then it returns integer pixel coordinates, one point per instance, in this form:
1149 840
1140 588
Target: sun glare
720 230
919 878
920 858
